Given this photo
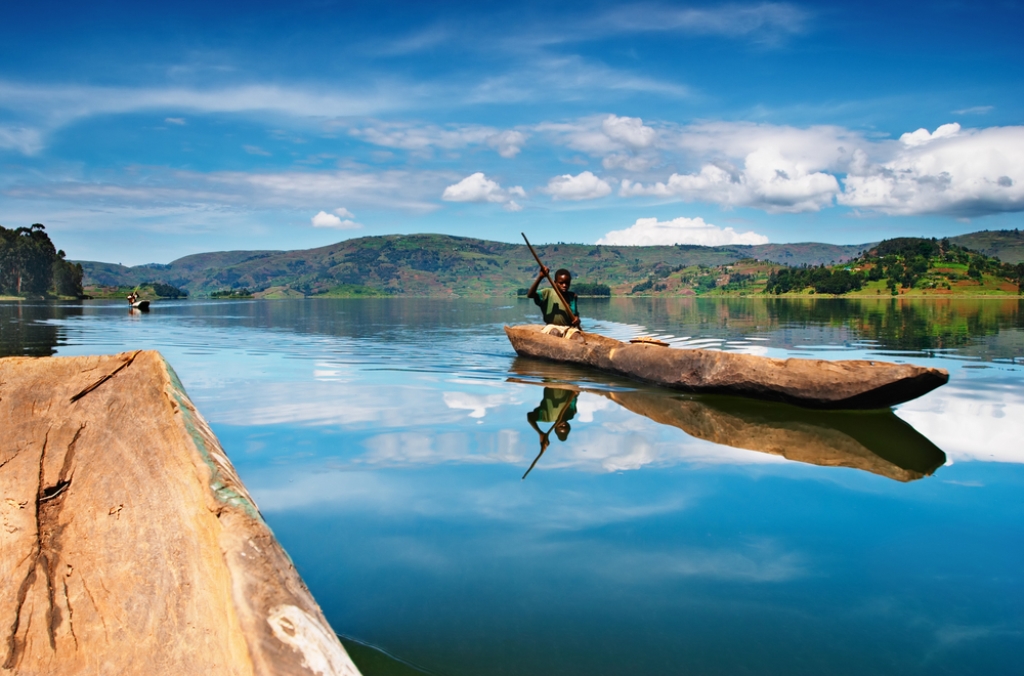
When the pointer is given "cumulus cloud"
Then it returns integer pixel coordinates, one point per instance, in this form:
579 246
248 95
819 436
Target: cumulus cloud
326 220
951 171
766 181
478 188
600 135
584 186
651 231
629 131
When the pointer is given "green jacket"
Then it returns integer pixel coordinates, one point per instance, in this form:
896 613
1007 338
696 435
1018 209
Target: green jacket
551 307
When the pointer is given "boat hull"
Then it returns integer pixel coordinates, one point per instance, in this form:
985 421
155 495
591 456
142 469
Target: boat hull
812 383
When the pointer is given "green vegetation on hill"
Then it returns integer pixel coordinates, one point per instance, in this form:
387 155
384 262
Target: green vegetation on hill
906 265
1006 245
31 265
439 265
146 291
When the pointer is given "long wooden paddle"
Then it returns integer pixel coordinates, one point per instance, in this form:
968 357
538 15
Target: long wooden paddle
565 304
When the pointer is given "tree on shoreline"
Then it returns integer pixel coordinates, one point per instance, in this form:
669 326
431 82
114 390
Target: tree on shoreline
30 264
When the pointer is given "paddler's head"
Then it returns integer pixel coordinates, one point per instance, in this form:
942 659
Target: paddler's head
562 430
563 279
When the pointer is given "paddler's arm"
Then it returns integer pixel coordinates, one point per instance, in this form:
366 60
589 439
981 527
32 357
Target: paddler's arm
532 293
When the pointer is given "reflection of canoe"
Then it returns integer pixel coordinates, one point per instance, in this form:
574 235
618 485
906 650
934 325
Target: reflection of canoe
140 305
873 441
814 383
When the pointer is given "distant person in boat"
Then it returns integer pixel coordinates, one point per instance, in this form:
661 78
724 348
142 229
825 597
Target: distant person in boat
132 297
555 315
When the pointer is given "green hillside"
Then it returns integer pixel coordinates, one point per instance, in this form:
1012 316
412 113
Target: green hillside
905 266
1006 245
439 265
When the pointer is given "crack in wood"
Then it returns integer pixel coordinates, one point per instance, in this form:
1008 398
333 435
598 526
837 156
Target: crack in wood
13 456
46 553
71 613
90 388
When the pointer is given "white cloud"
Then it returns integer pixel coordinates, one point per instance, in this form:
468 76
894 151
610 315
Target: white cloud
507 143
974 110
629 131
54 106
953 171
970 422
411 191
478 188
423 138
767 21
600 135
584 186
477 404
25 140
651 231
923 136
766 181
255 150
628 162
326 220
344 213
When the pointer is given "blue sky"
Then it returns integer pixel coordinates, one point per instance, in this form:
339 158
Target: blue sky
143 133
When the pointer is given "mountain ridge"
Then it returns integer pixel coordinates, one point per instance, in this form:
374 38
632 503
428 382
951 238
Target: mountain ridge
444 265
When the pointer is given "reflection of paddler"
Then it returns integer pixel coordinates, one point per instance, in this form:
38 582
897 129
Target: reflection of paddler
558 407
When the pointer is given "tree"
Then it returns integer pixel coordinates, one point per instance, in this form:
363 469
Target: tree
29 263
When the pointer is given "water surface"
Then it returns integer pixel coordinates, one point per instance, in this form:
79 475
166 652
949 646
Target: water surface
385 441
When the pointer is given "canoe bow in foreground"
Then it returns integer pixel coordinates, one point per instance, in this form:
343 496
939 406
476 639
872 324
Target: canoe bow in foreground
814 383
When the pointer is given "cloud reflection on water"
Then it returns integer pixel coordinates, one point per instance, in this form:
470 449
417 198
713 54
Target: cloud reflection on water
976 421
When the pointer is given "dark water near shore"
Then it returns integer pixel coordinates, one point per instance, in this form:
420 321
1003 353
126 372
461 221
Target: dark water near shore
385 441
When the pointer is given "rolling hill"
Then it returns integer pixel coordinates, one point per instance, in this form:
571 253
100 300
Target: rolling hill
438 265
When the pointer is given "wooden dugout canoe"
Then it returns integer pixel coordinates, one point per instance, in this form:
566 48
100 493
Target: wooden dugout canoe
129 544
812 383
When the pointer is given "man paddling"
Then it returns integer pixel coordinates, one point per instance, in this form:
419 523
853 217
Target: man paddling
551 306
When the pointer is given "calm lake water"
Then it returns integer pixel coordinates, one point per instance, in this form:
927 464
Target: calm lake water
385 442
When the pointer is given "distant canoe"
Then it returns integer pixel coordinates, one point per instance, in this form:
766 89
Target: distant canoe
812 383
140 305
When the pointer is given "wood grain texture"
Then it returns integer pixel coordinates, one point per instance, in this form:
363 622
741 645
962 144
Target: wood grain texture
128 543
813 383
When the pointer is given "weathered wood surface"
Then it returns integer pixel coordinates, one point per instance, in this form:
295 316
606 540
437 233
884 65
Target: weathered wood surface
814 383
128 543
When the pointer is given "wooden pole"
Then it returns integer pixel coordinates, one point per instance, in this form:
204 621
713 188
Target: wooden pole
565 303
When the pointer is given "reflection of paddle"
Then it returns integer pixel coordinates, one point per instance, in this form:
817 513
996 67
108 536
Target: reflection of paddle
544 442
565 304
